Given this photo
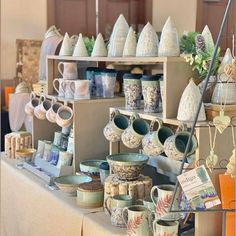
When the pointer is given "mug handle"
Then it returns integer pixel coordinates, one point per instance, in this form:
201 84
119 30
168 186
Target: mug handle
182 127
54 100
158 121
154 226
125 215
114 113
42 99
72 86
32 95
59 67
154 188
54 84
133 117
151 216
106 206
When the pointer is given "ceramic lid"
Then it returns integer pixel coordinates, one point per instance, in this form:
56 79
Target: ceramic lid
132 76
150 77
94 186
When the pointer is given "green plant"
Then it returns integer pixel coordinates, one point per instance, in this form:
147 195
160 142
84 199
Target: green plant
89 43
187 43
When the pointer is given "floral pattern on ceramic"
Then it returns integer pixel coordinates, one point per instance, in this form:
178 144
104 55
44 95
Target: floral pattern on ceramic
130 139
116 219
161 228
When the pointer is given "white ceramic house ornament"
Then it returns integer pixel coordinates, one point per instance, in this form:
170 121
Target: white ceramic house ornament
130 44
118 37
169 42
206 33
99 49
189 103
80 49
66 47
227 59
148 42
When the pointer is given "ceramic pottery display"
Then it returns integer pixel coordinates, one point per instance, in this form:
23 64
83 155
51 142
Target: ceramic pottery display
130 44
169 42
34 102
99 49
148 42
189 103
118 37
227 59
66 47
206 33
165 228
68 70
108 82
91 167
80 48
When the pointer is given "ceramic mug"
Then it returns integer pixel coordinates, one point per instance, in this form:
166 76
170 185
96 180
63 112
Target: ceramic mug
176 144
133 135
41 110
163 228
30 106
52 112
136 219
162 198
108 82
153 142
68 70
81 90
69 89
115 208
118 123
61 87
147 202
64 116
65 159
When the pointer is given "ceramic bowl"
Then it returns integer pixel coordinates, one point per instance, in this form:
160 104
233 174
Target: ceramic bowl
127 166
70 183
91 167
25 154
90 195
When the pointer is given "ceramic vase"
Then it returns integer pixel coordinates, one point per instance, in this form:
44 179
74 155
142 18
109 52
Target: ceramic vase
130 44
147 45
80 49
169 42
189 103
99 49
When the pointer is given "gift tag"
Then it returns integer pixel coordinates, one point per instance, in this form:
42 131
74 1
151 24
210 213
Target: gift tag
221 122
211 160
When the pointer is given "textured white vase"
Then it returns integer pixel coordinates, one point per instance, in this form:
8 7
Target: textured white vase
206 33
226 61
99 49
80 48
118 37
66 47
147 45
169 42
130 44
189 103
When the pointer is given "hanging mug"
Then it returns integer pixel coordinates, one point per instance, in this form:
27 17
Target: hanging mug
61 87
176 144
52 112
42 108
162 198
64 116
163 228
133 135
29 107
136 219
118 123
68 70
153 142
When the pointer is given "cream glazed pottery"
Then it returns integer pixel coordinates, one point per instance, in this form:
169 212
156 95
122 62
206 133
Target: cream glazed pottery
34 102
147 45
99 49
66 47
206 33
80 48
130 44
189 102
118 37
163 228
169 42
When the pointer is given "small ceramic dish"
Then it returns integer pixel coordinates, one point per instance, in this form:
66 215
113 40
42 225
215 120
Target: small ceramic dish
127 166
90 195
70 183
24 155
91 167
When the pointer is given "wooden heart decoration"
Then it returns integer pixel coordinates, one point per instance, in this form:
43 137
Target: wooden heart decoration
211 161
221 122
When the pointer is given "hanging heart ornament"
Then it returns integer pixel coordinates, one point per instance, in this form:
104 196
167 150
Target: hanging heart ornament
221 122
211 160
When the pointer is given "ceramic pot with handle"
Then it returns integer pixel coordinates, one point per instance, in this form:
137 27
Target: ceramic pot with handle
30 106
61 87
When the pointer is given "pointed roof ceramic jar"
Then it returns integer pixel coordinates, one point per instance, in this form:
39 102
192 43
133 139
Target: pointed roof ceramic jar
169 42
118 37
206 33
99 49
148 42
189 103
80 48
66 47
130 44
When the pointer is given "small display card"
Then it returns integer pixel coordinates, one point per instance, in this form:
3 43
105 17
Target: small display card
198 188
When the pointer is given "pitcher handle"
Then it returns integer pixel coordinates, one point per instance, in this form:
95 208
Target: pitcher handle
54 85
59 67
72 87
154 226
125 215
154 188
106 205
158 121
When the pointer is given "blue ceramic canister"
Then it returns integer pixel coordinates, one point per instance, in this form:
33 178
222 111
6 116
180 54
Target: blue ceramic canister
108 82
90 75
151 93
98 82
54 155
132 91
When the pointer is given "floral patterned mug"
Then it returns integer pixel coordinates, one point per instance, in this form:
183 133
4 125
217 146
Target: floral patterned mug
165 228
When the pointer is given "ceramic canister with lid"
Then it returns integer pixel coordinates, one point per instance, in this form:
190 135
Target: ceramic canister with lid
151 92
132 91
108 82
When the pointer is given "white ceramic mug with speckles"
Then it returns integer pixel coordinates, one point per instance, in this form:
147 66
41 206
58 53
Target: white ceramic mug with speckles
52 112
68 70
163 228
41 110
64 116
30 106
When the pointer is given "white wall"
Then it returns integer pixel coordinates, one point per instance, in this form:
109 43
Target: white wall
20 19
183 13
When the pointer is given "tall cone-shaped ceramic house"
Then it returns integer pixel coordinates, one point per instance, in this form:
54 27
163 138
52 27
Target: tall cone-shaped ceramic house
99 49
169 42
206 33
66 47
130 44
80 48
227 59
